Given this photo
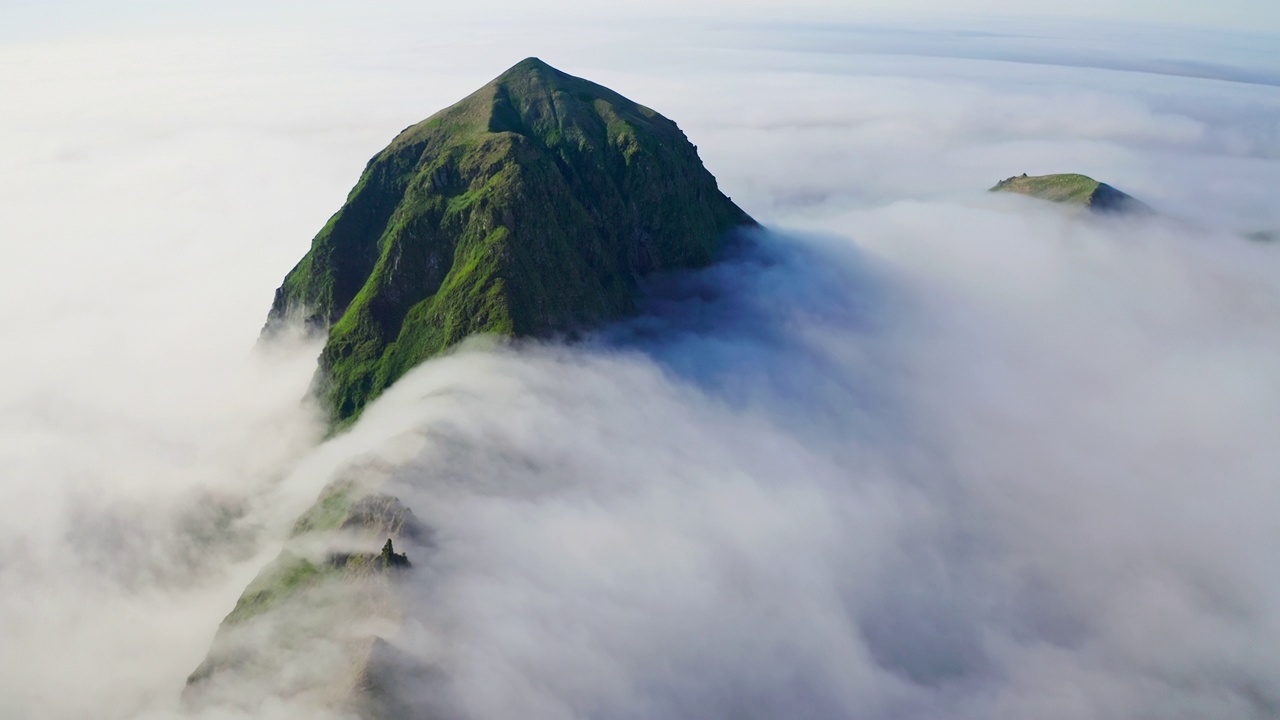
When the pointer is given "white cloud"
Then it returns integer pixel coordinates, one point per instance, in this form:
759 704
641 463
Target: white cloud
950 455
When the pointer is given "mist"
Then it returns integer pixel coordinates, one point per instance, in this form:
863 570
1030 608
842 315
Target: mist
914 451
929 507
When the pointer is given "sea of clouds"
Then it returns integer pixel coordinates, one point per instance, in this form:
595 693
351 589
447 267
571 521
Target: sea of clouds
915 452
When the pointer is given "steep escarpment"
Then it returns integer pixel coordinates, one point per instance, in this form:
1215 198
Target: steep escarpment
527 209
1072 189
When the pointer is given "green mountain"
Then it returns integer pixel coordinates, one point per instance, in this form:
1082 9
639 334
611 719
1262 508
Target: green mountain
1072 189
527 209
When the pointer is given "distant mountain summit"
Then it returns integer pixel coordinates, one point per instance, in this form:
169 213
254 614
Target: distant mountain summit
527 209
1074 190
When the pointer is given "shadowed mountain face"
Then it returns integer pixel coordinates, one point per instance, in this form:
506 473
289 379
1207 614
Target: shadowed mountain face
526 209
1072 189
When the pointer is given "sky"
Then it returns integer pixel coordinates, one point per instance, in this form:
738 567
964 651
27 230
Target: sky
77 16
923 452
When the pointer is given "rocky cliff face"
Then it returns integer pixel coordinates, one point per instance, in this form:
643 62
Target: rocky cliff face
526 209
1072 189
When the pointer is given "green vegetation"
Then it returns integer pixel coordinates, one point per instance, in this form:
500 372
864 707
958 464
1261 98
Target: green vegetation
1071 189
328 512
289 575
277 582
329 570
1068 188
526 209
342 506
339 507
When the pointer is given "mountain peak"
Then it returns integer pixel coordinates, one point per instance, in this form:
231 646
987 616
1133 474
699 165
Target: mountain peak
528 208
1071 189
526 66
532 74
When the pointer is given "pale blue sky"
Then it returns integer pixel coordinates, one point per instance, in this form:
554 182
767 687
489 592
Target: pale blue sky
42 18
1253 15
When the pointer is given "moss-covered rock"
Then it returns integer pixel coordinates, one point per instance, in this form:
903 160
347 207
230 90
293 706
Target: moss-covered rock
526 209
1072 189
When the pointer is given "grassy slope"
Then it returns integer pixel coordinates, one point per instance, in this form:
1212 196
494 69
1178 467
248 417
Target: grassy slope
340 506
302 595
284 577
525 209
1065 188
1074 190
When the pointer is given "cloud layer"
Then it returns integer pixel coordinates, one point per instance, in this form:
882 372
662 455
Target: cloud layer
984 493
920 452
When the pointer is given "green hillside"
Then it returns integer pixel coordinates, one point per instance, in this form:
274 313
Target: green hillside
1071 189
526 209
